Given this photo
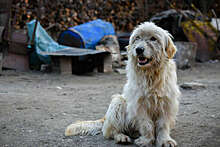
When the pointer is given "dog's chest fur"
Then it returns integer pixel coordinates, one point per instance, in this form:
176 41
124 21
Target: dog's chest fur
150 93
150 104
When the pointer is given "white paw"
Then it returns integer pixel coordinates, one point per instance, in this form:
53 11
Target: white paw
144 142
121 138
167 143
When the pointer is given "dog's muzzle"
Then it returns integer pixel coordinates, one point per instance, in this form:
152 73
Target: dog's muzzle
142 60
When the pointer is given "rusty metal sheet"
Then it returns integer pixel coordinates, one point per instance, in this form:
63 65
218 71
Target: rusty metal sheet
18 43
17 62
205 35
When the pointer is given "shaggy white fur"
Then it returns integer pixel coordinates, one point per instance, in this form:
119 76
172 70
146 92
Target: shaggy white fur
148 107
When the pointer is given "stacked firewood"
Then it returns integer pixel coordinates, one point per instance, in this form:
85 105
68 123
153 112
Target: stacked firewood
21 12
123 14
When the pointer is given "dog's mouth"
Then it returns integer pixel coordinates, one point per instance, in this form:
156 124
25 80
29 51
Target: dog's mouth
142 60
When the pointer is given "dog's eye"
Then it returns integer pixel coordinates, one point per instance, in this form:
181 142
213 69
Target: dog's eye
153 39
137 38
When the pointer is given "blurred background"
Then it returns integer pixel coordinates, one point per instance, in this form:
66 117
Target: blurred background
194 25
123 14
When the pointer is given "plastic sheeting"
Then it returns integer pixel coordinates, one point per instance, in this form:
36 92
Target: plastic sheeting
89 33
43 42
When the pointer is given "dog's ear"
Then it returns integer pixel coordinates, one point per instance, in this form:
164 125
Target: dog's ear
170 48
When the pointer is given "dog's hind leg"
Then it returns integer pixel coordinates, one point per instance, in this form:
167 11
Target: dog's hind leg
115 124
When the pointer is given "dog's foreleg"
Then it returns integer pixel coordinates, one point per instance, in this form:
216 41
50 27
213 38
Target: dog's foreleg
115 120
146 130
163 133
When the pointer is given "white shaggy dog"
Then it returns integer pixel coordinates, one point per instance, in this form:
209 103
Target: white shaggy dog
148 107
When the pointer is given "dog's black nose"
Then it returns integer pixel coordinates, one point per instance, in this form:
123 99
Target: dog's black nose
139 50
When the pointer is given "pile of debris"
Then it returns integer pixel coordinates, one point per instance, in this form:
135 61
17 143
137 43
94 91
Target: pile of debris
193 33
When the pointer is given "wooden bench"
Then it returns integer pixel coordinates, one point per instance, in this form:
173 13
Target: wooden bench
76 60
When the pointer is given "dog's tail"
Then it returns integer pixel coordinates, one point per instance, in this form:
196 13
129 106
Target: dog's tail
85 128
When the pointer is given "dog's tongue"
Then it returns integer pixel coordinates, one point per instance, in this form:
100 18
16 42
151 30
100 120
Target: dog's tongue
142 60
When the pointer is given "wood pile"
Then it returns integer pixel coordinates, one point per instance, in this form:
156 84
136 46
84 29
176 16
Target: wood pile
123 14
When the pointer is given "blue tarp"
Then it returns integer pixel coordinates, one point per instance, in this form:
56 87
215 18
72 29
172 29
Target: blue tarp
42 41
90 33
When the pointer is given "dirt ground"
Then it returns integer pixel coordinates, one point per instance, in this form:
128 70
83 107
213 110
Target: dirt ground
35 107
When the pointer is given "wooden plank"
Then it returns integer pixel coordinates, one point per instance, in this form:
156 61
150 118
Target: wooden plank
69 63
1 32
1 61
72 51
108 63
65 65
100 62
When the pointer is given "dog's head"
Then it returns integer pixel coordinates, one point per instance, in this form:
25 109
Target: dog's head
150 45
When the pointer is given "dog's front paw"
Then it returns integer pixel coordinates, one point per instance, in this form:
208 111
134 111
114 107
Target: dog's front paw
144 142
167 143
121 138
